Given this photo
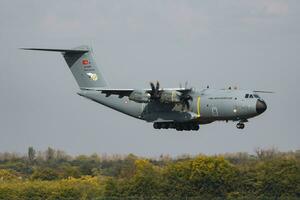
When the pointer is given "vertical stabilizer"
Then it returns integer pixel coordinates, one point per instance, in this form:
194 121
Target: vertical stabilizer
82 65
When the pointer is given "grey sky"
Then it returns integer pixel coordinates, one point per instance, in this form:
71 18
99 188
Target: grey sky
253 44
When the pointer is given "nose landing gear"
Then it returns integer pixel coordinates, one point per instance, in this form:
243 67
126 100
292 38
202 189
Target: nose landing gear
240 125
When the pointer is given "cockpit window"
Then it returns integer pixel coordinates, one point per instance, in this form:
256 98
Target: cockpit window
252 96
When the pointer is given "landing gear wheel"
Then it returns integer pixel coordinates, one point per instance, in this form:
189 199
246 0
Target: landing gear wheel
157 126
186 127
195 127
179 128
240 125
164 126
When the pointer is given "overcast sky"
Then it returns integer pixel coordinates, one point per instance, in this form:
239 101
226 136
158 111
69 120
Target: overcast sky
254 44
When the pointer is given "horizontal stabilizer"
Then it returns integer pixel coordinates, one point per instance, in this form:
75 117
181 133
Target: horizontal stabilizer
59 50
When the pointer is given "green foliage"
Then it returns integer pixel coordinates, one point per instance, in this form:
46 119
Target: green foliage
176 178
65 189
66 170
7 175
212 175
279 177
114 188
53 174
145 182
203 176
86 164
44 174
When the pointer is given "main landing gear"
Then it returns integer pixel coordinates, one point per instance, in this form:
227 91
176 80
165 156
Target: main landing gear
177 126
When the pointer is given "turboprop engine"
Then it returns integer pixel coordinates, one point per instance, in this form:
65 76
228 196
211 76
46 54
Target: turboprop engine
140 96
170 97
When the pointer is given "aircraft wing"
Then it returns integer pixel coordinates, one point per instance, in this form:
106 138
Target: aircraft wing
127 92
112 91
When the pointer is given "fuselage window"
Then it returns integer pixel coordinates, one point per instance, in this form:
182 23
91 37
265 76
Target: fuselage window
247 95
256 96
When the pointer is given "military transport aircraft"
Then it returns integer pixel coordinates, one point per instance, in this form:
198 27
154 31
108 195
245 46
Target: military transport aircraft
175 108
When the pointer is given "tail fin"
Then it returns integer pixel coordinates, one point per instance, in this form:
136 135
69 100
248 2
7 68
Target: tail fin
82 66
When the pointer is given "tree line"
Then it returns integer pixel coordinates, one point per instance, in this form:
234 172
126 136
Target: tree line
53 174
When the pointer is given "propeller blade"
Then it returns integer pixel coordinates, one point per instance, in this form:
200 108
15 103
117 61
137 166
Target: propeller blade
152 87
155 93
157 86
187 104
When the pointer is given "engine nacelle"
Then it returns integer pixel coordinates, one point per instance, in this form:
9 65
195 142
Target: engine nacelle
140 96
170 97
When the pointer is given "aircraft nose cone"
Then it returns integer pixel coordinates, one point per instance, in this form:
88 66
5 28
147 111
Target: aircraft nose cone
261 106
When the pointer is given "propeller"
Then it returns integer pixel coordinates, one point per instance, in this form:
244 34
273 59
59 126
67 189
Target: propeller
155 93
185 84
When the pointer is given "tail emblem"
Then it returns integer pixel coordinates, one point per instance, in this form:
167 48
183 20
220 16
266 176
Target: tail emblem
92 76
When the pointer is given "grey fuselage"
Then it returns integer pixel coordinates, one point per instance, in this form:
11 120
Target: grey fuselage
206 106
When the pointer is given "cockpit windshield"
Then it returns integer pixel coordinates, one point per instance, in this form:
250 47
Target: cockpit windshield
256 96
252 96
